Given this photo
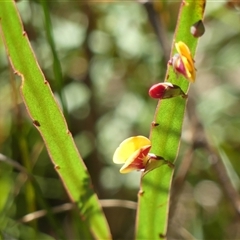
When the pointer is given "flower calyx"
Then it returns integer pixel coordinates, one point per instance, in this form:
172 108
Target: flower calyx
165 90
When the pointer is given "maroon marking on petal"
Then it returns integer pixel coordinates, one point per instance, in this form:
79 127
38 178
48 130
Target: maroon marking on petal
179 67
139 162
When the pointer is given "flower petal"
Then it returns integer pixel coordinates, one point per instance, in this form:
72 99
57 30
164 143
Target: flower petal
128 147
137 161
185 66
158 90
165 90
183 50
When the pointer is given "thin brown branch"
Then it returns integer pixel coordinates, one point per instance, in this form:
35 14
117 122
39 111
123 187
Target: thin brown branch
159 29
180 179
13 163
199 140
223 177
106 203
215 160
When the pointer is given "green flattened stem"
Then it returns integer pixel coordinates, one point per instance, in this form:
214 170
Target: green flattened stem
153 207
49 121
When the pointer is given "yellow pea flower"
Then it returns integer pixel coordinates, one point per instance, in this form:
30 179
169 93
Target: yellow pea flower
183 62
133 153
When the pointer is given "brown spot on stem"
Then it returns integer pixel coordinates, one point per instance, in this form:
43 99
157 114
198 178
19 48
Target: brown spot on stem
24 33
36 123
185 3
197 29
83 217
154 124
57 167
45 82
161 235
170 164
141 192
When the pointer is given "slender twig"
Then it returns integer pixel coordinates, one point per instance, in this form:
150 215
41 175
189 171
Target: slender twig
14 164
199 140
186 234
179 180
215 160
93 163
106 203
41 213
156 22
223 177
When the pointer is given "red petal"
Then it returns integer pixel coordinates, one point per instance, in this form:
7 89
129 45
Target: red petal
158 90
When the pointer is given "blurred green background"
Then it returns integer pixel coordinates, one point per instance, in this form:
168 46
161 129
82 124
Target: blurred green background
109 56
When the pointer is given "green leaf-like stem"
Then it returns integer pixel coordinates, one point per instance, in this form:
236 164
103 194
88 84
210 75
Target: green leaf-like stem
48 119
152 217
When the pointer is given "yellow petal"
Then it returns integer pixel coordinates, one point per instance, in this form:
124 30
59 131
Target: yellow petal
187 59
190 69
183 50
128 147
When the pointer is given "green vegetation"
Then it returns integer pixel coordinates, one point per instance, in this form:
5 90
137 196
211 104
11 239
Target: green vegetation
98 61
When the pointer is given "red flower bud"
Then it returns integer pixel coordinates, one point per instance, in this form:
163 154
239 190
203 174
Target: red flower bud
165 90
